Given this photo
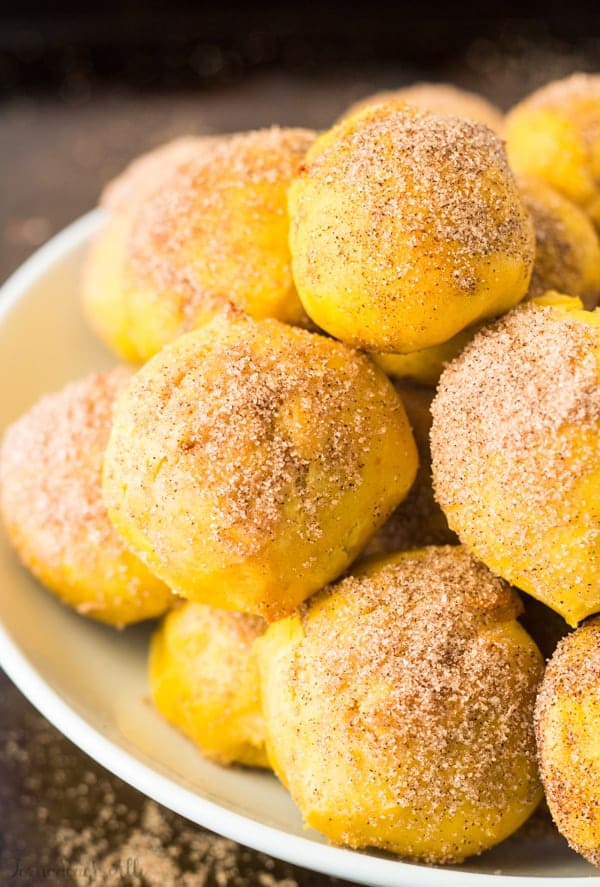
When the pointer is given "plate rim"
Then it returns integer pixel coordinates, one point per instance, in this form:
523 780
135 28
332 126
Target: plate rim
355 866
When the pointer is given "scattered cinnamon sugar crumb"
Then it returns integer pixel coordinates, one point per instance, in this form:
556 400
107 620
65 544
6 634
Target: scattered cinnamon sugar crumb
65 821
161 851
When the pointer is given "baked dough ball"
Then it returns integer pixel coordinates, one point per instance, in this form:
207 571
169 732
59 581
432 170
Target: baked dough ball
141 178
516 451
425 367
51 502
204 680
555 134
104 275
105 300
567 250
418 520
250 461
568 734
440 98
212 231
107 295
399 707
407 227
567 259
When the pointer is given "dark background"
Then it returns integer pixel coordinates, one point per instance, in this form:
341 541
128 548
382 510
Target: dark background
84 88
149 46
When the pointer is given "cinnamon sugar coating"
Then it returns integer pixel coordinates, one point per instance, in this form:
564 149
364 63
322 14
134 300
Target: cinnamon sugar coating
204 679
567 719
250 461
211 231
407 227
567 259
51 502
440 98
144 174
399 707
516 451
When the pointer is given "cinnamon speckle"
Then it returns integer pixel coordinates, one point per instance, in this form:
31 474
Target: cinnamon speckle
416 173
51 500
405 668
500 409
566 729
190 238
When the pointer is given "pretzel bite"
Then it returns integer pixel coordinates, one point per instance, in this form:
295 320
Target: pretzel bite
418 520
567 719
516 451
439 98
567 250
204 680
250 461
555 134
406 228
51 502
399 707
210 231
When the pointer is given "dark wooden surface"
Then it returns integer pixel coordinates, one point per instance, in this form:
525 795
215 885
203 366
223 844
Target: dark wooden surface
56 150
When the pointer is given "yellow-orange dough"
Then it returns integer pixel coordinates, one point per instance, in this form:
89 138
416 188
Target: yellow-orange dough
425 367
406 228
250 461
516 451
204 680
567 719
399 707
555 134
440 98
51 502
567 259
199 227
106 292
567 249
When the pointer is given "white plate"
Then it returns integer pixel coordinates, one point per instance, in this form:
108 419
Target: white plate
90 680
